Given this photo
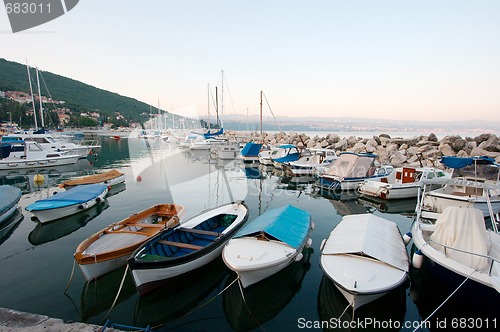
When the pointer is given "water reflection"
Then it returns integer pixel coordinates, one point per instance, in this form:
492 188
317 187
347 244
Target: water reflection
8 226
399 206
264 300
335 312
181 295
50 231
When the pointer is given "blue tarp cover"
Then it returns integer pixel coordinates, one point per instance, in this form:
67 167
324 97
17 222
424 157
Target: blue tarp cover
460 162
9 196
251 149
79 194
287 224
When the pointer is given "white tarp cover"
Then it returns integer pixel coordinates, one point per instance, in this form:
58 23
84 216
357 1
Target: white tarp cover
350 166
369 235
464 229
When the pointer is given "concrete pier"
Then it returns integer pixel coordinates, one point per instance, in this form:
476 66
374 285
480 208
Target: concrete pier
17 321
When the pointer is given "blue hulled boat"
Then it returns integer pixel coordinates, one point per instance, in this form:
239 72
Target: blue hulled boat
9 197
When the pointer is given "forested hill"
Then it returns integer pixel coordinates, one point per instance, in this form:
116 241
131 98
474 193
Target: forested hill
78 96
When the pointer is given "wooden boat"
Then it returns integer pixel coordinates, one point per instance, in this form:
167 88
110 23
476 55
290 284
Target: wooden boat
404 182
9 197
350 169
365 257
459 247
110 248
189 246
110 178
268 244
68 202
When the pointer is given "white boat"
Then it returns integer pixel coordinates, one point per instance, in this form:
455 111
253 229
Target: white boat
52 143
350 169
404 182
191 245
268 244
365 257
33 156
265 156
309 161
250 152
65 203
228 151
206 143
462 247
474 182
284 153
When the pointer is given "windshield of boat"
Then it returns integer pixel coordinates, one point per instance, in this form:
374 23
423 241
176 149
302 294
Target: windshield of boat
486 172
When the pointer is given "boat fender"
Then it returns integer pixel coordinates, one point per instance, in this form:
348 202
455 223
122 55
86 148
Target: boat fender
407 238
98 199
299 257
312 226
81 207
322 245
417 260
309 243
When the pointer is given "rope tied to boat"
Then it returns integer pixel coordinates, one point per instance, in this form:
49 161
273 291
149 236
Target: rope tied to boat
71 276
117 295
446 300
246 305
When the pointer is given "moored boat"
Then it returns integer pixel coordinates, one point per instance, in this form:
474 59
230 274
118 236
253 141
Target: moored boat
68 202
403 182
187 247
110 248
268 244
351 169
475 182
460 247
9 197
365 257
110 178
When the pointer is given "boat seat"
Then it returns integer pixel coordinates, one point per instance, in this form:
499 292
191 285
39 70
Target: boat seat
199 231
180 244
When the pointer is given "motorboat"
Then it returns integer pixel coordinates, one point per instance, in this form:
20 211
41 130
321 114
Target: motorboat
351 169
403 182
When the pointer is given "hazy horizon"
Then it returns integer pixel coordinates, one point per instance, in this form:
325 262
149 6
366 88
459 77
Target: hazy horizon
422 61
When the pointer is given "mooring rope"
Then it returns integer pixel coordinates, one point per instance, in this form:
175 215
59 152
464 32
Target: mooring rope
246 305
117 295
201 306
71 276
446 300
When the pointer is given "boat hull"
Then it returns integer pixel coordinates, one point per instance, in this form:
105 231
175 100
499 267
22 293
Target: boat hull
109 249
14 163
164 256
249 258
388 191
44 216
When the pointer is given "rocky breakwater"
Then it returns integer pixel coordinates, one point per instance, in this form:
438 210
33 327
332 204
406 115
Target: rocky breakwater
416 151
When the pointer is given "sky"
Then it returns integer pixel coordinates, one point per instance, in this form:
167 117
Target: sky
420 60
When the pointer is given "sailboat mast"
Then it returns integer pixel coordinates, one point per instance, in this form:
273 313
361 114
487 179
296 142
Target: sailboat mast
217 104
32 97
208 105
40 97
158 123
260 120
221 101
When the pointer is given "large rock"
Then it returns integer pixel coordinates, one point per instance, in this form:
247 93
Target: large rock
391 149
341 145
432 137
446 150
490 145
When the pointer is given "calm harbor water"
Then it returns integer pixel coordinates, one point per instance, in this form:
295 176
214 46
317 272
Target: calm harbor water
37 260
